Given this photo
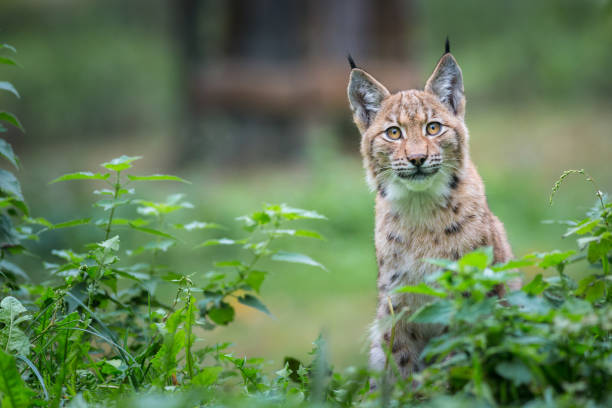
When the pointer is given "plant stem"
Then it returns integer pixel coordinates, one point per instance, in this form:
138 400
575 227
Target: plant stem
112 212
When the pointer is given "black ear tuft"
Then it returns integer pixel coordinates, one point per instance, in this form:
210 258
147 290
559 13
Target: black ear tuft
351 61
447 46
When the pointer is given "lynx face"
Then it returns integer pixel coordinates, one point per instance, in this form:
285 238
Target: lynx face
412 141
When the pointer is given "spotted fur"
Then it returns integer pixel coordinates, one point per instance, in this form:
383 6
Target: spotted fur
435 210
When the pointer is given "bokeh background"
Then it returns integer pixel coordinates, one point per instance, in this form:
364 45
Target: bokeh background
246 99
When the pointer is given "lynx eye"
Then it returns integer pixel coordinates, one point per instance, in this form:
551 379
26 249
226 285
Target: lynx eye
433 128
394 133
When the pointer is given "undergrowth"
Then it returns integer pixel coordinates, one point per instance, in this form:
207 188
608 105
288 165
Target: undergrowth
114 325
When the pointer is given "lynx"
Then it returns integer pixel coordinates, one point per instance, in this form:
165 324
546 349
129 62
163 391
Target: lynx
430 200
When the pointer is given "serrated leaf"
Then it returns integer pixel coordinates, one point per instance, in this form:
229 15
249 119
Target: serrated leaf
72 223
7 86
255 279
121 163
111 243
158 177
422 289
12 119
9 184
596 291
81 175
437 312
296 258
478 259
554 258
582 228
222 314
6 150
255 303
536 286
208 376
15 393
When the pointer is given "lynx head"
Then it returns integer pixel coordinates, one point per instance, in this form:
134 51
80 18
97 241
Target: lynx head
413 142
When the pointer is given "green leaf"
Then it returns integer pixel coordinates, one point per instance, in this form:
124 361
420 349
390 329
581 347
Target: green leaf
255 279
296 258
81 175
12 119
121 163
111 243
15 393
554 258
158 177
582 228
220 241
197 225
72 223
422 289
437 312
221 314
479 259
208 376
9 184
8 61
6 150
596 291
255 303
515 371
7 86
151 231
8 47
536 286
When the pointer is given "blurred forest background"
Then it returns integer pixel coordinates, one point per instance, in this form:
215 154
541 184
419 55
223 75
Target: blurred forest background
246 98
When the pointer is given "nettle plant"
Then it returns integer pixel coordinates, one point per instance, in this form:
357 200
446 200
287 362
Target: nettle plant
547 344
102 327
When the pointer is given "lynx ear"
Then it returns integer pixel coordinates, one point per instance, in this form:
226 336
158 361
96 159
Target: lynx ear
446 83
365 95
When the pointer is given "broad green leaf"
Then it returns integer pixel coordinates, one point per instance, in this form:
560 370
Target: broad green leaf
296 258
291 213
437 312
596 291
121 163
479 259
252 301
8 61
9 184
12 119
536 286
554 258
6 150
220 241
151 231
515 371
197 225
111 203
7 86
15 393
81 175
12 338
221 314
422 289
255 279
531 305
582 228
157 177
72 223
111 243
208 376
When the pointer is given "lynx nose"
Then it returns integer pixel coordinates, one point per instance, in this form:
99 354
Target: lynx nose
417 159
